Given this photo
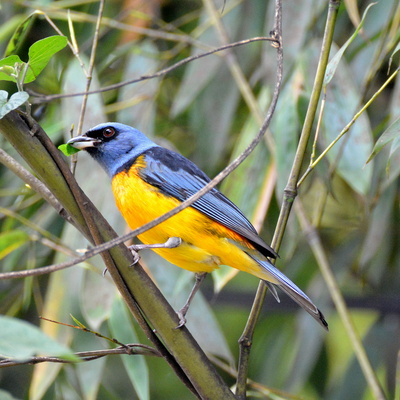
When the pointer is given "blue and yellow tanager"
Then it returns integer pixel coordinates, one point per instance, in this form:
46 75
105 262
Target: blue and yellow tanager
149 180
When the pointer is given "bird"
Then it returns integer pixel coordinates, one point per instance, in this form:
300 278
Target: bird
149 180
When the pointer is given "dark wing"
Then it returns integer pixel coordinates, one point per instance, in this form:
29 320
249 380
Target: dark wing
178 177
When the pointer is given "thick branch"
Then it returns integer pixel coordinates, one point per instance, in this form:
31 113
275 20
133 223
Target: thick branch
180 350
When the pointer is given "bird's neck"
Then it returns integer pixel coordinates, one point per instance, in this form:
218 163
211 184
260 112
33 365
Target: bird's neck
112 162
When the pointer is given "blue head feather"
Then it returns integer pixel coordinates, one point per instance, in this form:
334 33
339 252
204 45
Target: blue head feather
126 144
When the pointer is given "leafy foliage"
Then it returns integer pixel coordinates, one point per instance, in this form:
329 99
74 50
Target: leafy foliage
210 112
39 54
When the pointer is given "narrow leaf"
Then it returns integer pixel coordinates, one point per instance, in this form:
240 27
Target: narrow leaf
331 68
78 323
397 48
20 34
349 154
21 340
12 240
391 133
353 11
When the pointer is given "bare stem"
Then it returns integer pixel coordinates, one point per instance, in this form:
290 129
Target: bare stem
334 290
245 340
289 193
130 349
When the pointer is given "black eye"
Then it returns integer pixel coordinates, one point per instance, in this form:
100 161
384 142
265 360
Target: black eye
108 132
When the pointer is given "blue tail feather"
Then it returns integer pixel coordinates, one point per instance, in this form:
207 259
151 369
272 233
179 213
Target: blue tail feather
293 291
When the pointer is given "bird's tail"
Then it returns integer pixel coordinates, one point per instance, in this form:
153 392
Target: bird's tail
286 285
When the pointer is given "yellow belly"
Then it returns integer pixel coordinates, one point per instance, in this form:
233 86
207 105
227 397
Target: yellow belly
206 244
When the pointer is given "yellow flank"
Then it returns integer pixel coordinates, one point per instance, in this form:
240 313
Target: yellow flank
206 244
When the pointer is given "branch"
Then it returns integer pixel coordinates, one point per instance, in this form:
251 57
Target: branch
291 188
139 292
245 339
129 349
194 364
89 74
29 179
165 71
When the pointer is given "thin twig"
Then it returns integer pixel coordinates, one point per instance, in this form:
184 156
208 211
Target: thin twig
289 192
89 74
47 238
129 349
246 338
348 126
70 45
29 179
42 99
261 390
233 64
114 24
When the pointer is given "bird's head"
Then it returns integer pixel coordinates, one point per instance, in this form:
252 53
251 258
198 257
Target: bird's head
112 144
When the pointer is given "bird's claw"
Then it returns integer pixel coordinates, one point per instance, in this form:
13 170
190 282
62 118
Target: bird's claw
171 243
182 320
135 255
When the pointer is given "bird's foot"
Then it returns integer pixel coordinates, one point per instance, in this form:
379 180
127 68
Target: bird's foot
182 312
171 243
182 316
135 256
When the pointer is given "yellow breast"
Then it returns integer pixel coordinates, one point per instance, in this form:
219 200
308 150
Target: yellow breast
206 243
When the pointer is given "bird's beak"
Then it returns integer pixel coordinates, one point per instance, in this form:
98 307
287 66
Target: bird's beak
83 142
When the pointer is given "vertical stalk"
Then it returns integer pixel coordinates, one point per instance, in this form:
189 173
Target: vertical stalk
290 194
340 304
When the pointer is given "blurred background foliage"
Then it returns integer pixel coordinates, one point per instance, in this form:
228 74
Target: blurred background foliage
199 109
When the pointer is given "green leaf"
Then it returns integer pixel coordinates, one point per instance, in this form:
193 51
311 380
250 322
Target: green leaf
39 56
20 33
285 127
21 340
391 133
16 100
331 68
10 241
397 48
7 67
41 52
349 154
67 149
77 322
